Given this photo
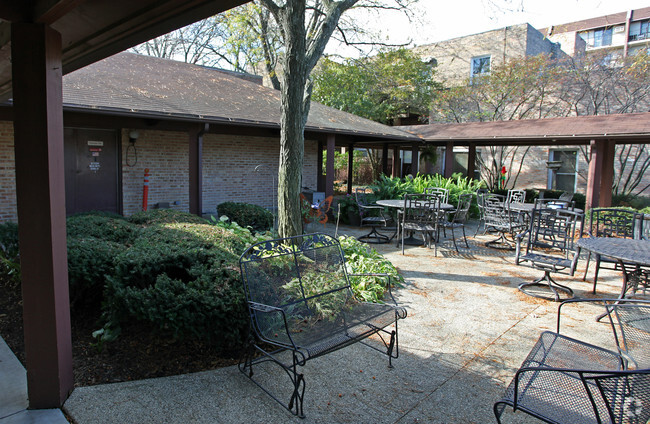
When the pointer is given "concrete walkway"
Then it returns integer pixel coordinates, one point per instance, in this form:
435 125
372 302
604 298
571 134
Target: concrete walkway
467 331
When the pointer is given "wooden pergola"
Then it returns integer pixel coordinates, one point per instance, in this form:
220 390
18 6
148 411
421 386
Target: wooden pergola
602 133
42 40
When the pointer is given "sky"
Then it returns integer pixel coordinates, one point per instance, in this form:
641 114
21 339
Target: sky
437 20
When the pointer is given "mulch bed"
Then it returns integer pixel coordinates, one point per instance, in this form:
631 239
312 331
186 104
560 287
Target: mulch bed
135 355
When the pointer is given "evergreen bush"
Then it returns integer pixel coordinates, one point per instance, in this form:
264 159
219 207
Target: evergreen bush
247 215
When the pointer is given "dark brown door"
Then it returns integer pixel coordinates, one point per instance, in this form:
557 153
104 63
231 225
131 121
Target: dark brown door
91 171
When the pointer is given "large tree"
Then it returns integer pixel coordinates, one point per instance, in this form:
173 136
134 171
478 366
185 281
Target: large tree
383 87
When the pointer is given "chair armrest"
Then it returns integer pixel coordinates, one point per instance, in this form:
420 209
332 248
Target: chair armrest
388 281
260 307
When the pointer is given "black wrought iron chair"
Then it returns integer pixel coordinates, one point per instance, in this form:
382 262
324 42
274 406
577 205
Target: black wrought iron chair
549 247
499 218
565 380
480 201
443 193
421 214
372 215
611 222
459 218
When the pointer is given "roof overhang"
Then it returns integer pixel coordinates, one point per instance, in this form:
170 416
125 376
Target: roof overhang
93 30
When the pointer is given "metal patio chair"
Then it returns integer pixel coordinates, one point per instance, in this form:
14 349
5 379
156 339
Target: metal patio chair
372 215
611 222
421 213
565 380
459 218
480 201
516 196
499 218
550 247
442 193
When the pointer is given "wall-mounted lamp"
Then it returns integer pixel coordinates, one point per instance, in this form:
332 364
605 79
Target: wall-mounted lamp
133 136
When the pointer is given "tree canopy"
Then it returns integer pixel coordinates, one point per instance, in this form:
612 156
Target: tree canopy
383 87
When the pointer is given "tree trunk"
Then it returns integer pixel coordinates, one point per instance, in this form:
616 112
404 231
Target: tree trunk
295 106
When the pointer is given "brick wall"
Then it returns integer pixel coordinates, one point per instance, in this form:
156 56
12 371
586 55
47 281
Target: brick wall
7 173
165 153
229 174
228 170
454 56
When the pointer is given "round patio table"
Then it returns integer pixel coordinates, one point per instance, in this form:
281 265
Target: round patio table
399 204
626 251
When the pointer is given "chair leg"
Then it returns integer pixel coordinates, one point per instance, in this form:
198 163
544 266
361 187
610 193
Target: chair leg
547 281
584 277
596 274
374 237
453 238
465 237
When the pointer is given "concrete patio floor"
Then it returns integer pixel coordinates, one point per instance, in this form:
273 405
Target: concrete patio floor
468 329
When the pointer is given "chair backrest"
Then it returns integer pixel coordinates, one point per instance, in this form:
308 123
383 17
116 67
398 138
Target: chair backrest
516 196
443 193
630 321
552 232
362 196
462 209
423 209
304 276
495 211
611 222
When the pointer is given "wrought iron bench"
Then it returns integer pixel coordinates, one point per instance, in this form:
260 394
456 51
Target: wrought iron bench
302 307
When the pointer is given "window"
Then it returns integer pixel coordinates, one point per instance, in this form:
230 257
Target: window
562 170
597 38
640 31
480 66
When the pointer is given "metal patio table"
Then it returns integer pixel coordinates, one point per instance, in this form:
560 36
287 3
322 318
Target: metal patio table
626 251
399 204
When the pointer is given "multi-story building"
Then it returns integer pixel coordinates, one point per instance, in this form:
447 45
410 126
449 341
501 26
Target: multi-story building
471 56
617 35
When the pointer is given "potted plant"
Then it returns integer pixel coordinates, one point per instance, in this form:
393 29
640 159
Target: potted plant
350 210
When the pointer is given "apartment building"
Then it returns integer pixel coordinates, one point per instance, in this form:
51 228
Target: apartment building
471 56
617 35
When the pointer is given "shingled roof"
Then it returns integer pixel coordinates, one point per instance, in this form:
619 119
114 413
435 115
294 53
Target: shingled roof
144 86
631 127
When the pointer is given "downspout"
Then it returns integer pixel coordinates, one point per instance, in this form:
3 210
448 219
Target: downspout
627 32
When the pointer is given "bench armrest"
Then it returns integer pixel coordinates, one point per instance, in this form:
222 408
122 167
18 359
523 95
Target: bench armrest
388 281
260 307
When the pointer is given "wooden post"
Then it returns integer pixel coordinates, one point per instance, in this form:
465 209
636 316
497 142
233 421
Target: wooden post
196 168
329 173
397 171
471 160
601 173
449 159
40 194
320 184
415 160
384 159
350 166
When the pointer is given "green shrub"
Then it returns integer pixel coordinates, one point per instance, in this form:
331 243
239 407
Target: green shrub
630 200
9 239
247 215
102 226
90 260
183 280
165 216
